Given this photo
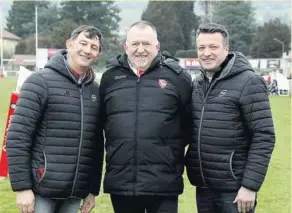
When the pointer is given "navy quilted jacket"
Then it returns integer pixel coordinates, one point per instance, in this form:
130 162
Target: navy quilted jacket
233 131
55 142
144 127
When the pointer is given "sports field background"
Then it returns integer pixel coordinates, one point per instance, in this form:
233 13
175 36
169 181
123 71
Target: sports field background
274 196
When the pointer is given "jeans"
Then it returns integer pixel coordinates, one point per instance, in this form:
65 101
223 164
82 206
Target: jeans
142 204
45 205
209 201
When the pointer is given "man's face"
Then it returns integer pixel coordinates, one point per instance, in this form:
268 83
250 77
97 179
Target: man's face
82 50
141 47
211 50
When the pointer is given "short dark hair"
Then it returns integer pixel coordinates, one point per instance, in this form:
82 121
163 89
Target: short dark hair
142 24
91 32
214 28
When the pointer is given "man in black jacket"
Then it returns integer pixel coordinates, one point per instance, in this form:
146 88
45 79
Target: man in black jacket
55 142
144 97
233 132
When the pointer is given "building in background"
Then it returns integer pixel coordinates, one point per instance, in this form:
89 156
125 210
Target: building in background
267 65
9 43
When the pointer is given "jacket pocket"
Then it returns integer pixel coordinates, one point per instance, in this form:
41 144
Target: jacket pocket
167 152
231 165
112 150
41 171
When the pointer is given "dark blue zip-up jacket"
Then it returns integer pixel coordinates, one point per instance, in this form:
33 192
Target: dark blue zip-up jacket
233 131
55 142
145 120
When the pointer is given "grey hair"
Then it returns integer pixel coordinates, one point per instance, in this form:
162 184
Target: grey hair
91 32
214 28
142 24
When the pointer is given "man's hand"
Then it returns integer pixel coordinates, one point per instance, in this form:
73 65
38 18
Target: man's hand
245 200
25 201
88 204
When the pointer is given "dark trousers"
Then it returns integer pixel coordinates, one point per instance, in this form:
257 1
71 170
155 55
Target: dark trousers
142 204
209 201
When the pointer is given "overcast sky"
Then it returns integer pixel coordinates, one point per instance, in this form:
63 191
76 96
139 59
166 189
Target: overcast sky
131 11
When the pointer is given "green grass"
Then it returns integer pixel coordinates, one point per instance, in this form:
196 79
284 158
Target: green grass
274 196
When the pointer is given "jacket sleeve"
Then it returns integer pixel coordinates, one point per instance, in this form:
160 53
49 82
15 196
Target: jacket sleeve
99 147
256 112
23 126
186 114
98 161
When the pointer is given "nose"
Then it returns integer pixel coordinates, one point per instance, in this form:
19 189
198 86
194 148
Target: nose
140 48
87 49
207 52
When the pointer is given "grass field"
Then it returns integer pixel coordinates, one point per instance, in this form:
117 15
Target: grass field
274 196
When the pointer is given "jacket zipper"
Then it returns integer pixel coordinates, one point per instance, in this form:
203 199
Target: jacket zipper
200 127
136 137
199 146
81 138
231 165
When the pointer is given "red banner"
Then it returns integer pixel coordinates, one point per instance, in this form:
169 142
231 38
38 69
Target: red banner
3 160
191 62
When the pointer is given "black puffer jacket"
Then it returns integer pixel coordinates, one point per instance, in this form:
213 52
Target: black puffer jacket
55 142
233 132
143 127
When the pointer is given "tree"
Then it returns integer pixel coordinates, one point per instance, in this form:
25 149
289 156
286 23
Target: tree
168 29
48 17
104 15
27 45
61 32
21 17
187 20
264 45
238 18
174 31
111 48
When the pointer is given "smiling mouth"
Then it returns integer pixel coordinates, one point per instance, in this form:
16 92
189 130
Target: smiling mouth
208 60
84 57
140 56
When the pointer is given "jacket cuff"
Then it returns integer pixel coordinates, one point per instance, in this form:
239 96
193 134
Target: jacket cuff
95 193
18 188
251 185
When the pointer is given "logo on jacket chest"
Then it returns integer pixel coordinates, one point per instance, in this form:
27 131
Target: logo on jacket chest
67 93
118 77
162 83
222 93
93 97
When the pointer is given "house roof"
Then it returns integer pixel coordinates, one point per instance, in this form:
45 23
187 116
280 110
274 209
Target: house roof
9 36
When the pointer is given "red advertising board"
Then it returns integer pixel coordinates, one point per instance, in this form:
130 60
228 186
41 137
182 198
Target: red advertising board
3 160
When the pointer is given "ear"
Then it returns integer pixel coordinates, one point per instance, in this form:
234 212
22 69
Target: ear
68 43
227 47
125 46
158 46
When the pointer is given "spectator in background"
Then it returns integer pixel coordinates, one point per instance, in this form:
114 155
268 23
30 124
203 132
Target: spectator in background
267 78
